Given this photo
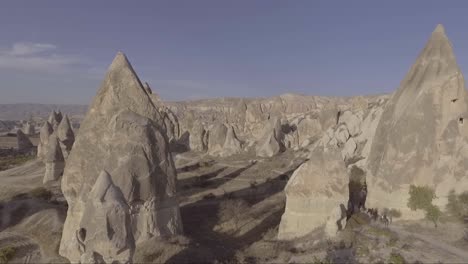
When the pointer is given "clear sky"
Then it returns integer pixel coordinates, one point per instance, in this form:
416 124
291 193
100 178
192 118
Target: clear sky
58 51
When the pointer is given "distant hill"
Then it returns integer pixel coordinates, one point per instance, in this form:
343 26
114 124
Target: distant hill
25 111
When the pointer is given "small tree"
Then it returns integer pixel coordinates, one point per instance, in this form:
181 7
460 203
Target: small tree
433 214
420 197
233 210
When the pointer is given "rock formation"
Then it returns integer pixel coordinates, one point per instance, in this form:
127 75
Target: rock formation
121 134
44 134
66 136
29 129
422 137
54 119
53 159
217 137
23 142
105 232
232 145
314 193
272 141
198 138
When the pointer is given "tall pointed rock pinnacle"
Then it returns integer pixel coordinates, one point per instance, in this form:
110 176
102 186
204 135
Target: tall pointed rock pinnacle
122 87
418 126
122 134
435 65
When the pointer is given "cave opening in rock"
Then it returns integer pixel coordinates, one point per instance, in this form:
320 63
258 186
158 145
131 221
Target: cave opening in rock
357 191
460 120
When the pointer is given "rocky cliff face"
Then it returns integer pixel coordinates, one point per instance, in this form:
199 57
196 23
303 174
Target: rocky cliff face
422 136
123 134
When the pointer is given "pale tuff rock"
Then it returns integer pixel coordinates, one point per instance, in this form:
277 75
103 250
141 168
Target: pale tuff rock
314 194
66 136
232 145
217 137
197 138
348 150
44 134
170 121
352 122
23 142
29 129
272 141
54 119
342 135
105 231
53 159
421 136
121 134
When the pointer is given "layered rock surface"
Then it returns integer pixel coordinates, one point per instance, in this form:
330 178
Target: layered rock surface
122 134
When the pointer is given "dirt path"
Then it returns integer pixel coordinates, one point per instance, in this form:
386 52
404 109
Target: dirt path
434 242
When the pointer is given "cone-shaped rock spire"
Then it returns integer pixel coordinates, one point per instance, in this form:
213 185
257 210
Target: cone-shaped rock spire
121 134
409 146
66 136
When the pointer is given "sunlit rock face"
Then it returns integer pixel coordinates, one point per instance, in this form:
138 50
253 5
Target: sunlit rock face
122 134
422 135
314 193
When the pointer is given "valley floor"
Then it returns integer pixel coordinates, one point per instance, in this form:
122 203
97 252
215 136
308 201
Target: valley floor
231 209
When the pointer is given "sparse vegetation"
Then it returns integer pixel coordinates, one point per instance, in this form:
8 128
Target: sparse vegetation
209 196
433 214
421 198
6 254
396 258
457 205
41 193
232 210
12 161
253 184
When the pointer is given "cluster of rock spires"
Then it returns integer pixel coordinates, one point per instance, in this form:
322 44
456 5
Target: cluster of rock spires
56 138
417 136
120 179
120 174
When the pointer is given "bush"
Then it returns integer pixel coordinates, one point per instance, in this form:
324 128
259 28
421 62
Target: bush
457 205
433 214
6 254
253 184
396 258
232 210
420 197
209 196
41 193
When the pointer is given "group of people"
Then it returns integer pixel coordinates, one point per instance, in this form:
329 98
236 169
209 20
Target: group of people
373 213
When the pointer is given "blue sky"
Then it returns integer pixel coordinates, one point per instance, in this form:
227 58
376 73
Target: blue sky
58 51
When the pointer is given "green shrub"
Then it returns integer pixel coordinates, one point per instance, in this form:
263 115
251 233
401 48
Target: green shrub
433 214
6 254
420 197
396 258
